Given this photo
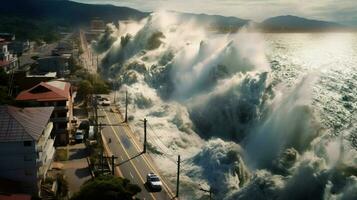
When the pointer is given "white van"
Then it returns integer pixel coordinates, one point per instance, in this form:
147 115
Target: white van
91 132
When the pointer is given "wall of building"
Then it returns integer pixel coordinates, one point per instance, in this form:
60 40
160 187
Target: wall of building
27 161
61 118
18 162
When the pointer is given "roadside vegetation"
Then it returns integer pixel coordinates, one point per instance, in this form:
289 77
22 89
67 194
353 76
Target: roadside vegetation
87 83
62 154
107 188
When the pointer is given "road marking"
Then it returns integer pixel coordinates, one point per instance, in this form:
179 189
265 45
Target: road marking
137 171
107 149
126 129
131 175
167 188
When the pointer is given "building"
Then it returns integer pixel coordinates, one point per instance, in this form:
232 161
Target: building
97 25
19 47
24 80
26 146
56 93
63 47
8 61
58 64
8 37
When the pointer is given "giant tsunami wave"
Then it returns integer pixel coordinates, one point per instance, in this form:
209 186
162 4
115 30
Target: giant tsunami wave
254 116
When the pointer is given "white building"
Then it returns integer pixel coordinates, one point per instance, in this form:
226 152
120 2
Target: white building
8 61
26 148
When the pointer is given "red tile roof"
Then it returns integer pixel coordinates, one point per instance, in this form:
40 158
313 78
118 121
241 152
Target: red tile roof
45 92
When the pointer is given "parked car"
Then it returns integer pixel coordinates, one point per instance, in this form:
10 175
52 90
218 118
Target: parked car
153 182
79 136
91 132
84 125
105 102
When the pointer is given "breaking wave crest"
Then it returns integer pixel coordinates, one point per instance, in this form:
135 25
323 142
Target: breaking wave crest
245 122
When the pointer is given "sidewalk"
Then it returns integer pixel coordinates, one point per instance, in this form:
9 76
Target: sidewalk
76 168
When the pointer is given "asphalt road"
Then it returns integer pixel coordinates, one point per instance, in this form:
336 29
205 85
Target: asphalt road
88 58
133 164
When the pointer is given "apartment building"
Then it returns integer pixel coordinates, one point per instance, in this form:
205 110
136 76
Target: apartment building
26 146
56 93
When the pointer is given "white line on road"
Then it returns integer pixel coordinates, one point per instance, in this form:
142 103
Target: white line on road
131 175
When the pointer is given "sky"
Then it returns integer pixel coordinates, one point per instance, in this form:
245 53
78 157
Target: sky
342 11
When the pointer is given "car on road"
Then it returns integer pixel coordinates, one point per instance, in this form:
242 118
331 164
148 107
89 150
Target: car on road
105 102
79 136
153 182
84 125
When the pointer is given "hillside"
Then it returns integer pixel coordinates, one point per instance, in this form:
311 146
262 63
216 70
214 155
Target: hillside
65 12
289 23
43 19
218 22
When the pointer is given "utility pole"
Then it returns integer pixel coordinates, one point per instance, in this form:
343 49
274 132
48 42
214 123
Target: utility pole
208 191
96 113
145 121
101 152
126 106
112 162
113 157
178 176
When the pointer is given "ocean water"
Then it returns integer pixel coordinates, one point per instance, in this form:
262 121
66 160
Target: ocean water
254 116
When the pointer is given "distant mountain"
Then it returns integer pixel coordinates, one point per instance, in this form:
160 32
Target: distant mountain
216 21
289 23
65 12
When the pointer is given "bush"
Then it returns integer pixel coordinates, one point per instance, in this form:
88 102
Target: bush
62 154
107 188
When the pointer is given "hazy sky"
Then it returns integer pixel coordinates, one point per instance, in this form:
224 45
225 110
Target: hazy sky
344 11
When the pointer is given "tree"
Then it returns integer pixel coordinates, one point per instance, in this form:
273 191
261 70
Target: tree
85 89
107 188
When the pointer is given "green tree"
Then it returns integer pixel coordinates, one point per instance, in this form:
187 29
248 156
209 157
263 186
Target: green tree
85 90
107 188
99 85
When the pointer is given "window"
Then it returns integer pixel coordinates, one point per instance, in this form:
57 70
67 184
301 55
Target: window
27 143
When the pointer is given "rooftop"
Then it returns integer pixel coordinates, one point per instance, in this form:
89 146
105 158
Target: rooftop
47 74
46 91
23 124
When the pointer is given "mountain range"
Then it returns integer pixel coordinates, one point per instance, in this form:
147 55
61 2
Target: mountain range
69 13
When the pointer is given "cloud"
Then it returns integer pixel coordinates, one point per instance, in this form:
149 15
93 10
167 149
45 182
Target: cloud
343 11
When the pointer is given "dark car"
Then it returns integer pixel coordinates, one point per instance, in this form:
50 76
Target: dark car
84 125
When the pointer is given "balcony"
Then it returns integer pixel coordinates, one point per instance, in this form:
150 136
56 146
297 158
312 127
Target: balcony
45 136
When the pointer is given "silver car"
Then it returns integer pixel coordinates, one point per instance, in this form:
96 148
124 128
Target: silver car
153 182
